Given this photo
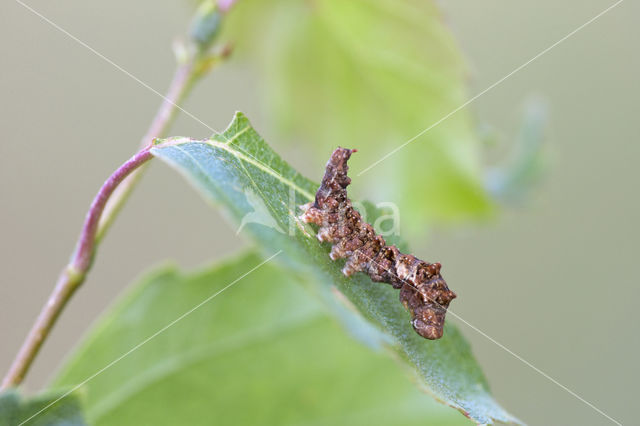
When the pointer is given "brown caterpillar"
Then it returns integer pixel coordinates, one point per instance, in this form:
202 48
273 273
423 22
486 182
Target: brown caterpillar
423 291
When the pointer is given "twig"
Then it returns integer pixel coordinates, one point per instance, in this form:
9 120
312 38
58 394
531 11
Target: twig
183 80
73 275
194 61
103 211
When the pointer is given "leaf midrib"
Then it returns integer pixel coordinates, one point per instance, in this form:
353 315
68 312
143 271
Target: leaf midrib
240 155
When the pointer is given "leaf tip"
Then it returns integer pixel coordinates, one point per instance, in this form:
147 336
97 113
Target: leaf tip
238 122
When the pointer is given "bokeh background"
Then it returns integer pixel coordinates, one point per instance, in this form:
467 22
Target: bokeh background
554 280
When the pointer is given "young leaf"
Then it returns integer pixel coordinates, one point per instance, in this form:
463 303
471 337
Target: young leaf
375 73
260 353
240 171
39 411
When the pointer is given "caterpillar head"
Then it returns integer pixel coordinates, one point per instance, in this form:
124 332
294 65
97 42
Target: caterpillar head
428 301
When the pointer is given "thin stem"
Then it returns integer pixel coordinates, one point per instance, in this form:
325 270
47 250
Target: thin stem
194 62
73 275
101 215
103 211
185 77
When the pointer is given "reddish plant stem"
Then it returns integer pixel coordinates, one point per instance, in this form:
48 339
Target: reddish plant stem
82 257
109 201
179 88
190 70
103 210
73 275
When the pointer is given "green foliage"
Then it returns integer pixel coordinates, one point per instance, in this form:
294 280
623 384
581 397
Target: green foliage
262 352
364 74
240 171
371 74
15 410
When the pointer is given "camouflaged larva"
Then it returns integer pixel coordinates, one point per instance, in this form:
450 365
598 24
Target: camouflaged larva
423 291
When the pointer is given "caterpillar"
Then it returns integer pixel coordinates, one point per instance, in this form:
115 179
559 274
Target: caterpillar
423 291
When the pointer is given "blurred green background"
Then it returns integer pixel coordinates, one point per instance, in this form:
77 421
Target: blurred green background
551 280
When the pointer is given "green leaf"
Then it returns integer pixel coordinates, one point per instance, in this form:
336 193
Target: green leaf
373 74
43 410
262 352
240 171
